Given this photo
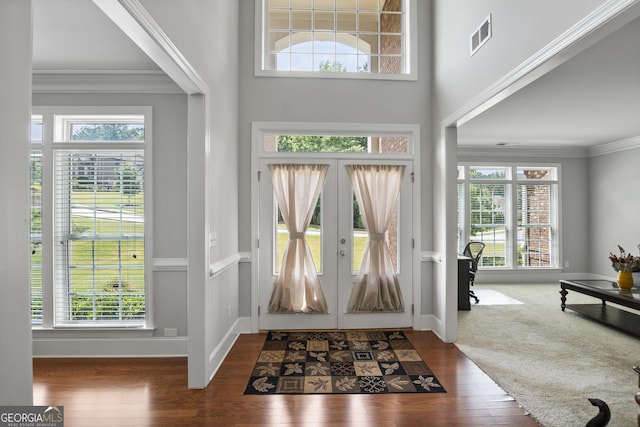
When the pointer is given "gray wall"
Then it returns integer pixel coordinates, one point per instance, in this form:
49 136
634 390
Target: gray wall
614 208
206 34
462 83
282 99
574 213
169 196
15 87
520 29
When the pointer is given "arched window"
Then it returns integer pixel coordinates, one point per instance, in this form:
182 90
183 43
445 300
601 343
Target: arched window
331 38
325 52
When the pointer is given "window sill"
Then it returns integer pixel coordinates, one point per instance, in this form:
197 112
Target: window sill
346 76
91 332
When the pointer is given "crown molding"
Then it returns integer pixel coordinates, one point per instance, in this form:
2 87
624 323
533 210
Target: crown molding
615 146
107 81
597 150
134 20
547 152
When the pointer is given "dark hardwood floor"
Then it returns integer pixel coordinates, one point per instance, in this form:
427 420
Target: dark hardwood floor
153 392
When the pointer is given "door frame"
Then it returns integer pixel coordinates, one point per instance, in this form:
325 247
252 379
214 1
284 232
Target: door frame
411 132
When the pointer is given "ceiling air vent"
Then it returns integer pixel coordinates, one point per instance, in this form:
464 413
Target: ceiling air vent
481 35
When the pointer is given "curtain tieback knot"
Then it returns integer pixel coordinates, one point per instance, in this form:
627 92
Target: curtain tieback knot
296 235
376 236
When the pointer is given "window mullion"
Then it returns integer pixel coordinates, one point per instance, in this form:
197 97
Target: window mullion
512 222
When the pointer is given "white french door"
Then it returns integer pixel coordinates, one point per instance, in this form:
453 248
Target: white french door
336 238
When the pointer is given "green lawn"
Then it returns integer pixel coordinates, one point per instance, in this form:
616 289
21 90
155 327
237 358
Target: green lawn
106 255
493 254
313 240
106 199
101 263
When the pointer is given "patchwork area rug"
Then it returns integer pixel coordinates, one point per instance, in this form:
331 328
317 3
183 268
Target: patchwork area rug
303 362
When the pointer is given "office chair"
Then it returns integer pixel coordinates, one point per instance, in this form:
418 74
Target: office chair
473 250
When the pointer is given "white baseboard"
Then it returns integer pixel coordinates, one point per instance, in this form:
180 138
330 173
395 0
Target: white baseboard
426 322
217 355
110 347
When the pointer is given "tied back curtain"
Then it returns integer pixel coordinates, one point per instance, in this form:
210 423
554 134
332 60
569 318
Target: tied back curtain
297 289
376 288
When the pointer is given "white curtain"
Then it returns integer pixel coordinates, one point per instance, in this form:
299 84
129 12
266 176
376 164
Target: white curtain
377 288
297 289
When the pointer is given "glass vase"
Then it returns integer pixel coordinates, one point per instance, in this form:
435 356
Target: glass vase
625 280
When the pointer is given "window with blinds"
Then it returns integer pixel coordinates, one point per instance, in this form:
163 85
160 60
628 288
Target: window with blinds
97 208
513 210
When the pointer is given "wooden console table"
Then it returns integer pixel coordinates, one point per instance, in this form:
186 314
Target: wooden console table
606 291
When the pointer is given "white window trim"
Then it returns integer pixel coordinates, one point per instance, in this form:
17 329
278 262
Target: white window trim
512 255
48 297
410 54
411 132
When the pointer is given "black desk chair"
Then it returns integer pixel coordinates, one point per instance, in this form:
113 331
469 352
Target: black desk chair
473 250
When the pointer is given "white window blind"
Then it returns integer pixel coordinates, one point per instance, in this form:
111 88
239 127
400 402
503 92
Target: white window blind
88 189
99 236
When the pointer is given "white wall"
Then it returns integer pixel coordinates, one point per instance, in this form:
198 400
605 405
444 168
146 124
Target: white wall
614 207
15 87
282 99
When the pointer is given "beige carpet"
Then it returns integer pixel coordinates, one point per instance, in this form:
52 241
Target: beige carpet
551 361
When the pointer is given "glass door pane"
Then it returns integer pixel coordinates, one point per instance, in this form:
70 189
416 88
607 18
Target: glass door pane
313 236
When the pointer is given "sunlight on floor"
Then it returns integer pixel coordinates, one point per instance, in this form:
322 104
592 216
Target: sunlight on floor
492 297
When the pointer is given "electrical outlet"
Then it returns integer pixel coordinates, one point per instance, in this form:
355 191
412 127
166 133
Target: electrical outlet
170 332
566 264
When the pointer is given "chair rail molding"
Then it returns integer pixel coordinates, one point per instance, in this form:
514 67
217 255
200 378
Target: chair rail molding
218 267
431 256
170 264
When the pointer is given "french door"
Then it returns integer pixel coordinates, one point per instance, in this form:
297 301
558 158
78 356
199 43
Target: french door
335 244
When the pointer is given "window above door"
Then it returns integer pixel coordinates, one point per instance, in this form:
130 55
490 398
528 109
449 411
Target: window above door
335 140
363 39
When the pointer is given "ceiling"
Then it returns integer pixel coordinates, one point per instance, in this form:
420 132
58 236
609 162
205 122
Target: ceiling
591 99
75 35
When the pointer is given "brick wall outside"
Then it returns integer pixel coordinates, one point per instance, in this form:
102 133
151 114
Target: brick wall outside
390 38
537 250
